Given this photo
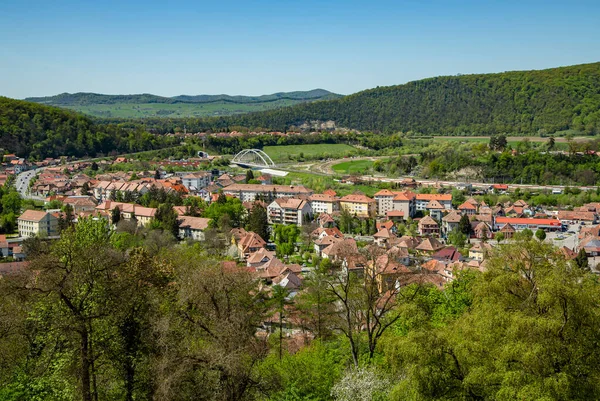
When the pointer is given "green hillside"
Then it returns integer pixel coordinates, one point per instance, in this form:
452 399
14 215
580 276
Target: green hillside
147 105
39 131
523 102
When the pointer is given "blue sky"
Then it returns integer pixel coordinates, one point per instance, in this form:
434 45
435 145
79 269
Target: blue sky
256 47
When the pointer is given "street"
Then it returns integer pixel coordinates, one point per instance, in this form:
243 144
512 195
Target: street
22 184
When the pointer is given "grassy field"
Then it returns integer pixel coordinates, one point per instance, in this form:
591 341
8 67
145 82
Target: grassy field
142 110
352 166
282 153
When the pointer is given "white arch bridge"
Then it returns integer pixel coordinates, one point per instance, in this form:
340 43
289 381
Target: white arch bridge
253 158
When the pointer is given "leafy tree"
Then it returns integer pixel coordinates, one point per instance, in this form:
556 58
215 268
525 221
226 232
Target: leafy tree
457 238
525 234
285 237
71 283
316 303
499 236
346 221
528 335
540 234
207 338
11 202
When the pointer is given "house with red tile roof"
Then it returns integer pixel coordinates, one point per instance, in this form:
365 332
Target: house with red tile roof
249 243
428 226
467 208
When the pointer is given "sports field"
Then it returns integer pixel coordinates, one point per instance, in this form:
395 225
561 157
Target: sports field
283 153
352 166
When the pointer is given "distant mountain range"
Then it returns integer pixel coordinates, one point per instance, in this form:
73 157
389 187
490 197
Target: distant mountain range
148 105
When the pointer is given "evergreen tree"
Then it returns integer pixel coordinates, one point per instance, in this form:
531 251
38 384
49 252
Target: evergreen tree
464 225
581 260
258 222
115 215
85 189
249 176
168 219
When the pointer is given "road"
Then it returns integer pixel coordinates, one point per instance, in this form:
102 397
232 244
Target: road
22 183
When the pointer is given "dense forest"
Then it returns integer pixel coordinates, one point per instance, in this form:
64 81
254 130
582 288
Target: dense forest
131 315
520 102
37 131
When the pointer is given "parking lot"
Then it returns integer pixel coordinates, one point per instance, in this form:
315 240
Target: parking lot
567 238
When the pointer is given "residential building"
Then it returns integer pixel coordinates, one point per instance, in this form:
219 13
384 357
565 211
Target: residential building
192 227
289 211
196 180
450 222
389 203
359 205
428 226
249 192
322 203
435 209
468 208
479 251
81 203
577 217
429 245
249 243
422 200
37 223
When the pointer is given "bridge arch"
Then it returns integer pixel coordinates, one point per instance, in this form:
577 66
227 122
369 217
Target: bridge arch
253 158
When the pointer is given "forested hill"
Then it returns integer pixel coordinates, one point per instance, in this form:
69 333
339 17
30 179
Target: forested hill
37 131
87 99
512 102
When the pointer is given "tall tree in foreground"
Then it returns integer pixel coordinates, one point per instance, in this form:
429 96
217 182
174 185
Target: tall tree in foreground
207 336
72 283
366 305
530 334
279 300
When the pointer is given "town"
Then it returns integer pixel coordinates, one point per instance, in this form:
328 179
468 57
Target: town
419 227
